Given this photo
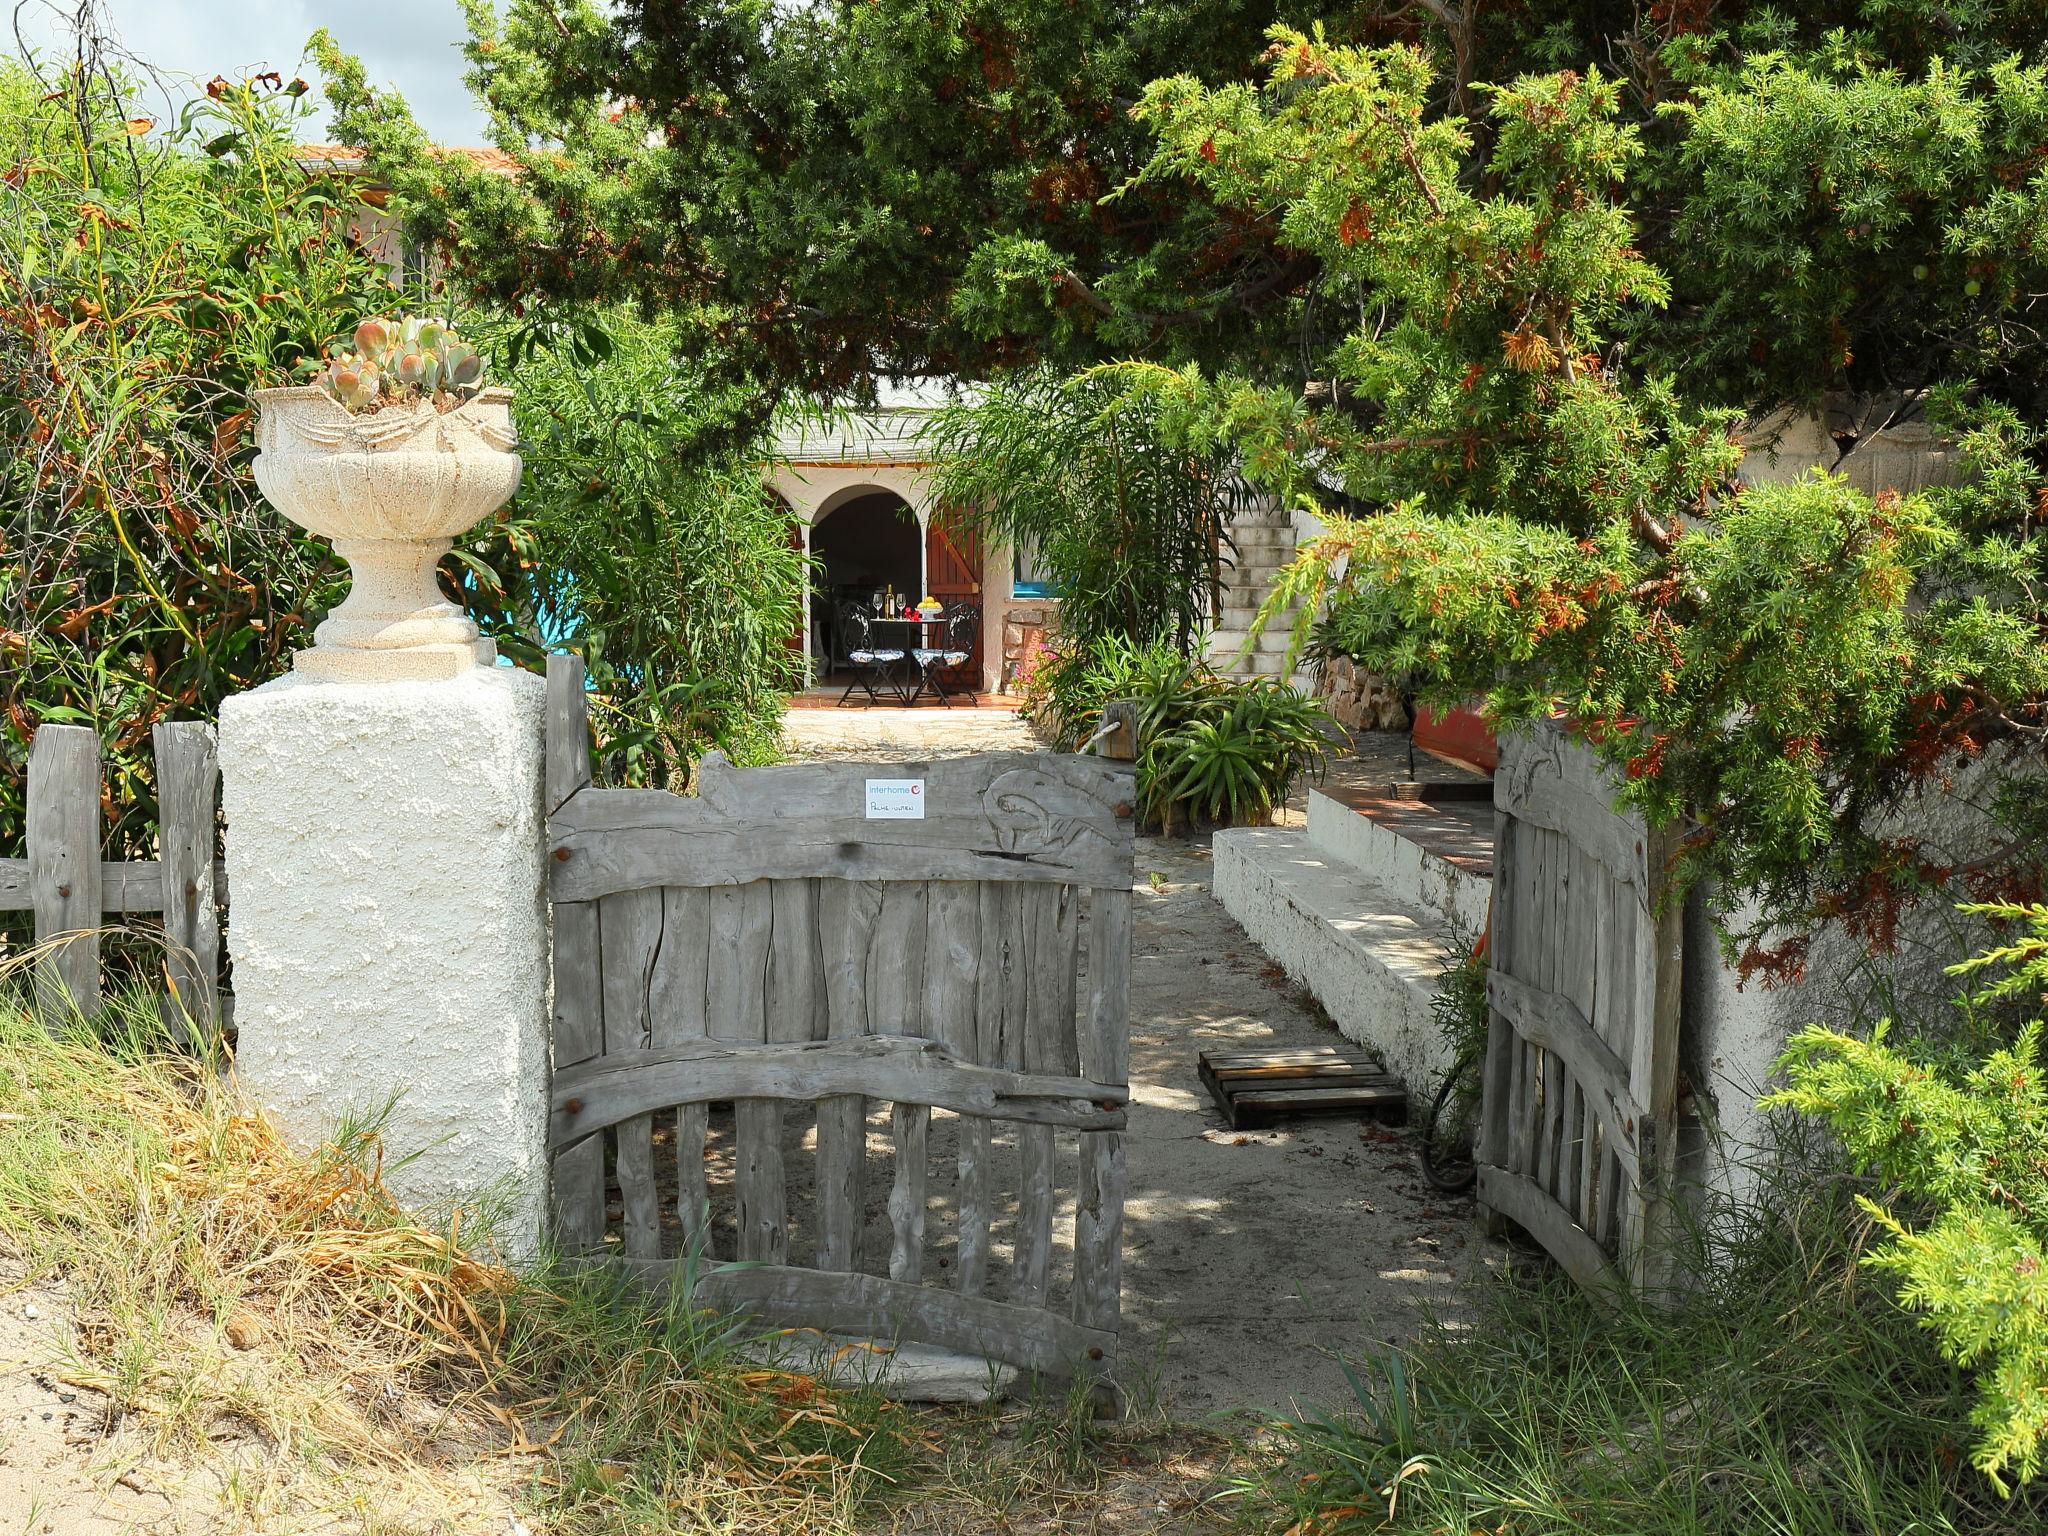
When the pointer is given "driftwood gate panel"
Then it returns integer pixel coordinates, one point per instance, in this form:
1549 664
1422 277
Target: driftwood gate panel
72 889
1577 1139
767 943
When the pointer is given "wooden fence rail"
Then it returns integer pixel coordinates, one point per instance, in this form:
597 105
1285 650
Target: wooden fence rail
72 889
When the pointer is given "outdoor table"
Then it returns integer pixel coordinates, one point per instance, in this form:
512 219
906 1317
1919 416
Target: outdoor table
914 634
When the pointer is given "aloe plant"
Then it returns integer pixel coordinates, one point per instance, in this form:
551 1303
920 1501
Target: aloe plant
399 362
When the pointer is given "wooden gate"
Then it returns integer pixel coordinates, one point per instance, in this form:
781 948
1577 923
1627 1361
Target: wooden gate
828 935
1577 1137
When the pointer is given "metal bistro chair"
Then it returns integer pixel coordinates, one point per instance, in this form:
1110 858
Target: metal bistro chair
874 663
956 645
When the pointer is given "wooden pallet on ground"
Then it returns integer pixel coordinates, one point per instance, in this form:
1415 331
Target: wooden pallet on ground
1259 1088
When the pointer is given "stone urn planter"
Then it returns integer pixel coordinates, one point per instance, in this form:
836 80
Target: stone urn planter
391 489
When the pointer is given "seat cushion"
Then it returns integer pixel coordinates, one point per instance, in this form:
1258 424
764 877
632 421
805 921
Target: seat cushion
868 658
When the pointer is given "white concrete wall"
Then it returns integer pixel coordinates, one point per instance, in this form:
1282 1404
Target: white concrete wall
385 849
1734 1033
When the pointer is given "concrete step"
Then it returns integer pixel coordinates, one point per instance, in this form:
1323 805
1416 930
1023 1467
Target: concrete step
1272 536
1436 857
1226 639
1237 611
1372 960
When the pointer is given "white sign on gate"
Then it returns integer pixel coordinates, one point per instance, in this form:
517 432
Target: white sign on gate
895 800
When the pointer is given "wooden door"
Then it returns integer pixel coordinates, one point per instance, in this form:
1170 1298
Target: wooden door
774 945
1578 1136
952 563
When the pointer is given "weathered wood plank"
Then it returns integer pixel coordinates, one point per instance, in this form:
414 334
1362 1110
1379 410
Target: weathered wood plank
891 1311
128 886
995 988
1545 1220
567 738
629 935
951 928
1649 1249
65 868
906 1068
677 1012
188 818
1548 781
847 911
1497 1080
1032 792
742 939
1051 930
1612 1023
594 863
1557 957
1104 1041
1582 1115
896 999
578 1023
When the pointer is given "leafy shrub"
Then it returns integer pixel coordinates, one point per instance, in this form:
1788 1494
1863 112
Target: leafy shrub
1131 528
671 569
148 279
1209 749
1974 1153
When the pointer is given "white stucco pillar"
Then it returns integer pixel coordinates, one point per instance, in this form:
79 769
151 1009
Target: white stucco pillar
388 928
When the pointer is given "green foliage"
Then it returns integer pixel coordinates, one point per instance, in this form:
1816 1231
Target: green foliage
1519 516
1974 1152
1209 749
671 571
1784 1397
822 193
150 274
1129 526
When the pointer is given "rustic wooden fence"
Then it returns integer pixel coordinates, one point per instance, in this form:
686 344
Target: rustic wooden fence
1578 1135
823 935
72 889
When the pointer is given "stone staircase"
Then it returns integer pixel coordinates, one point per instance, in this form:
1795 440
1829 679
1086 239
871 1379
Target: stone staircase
1367 906
1264 535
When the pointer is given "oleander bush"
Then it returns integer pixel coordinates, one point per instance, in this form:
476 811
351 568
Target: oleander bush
150 274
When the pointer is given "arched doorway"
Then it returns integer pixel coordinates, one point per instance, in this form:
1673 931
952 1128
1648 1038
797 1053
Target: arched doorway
867 544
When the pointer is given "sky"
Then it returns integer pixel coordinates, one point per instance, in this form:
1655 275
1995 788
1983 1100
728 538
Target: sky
412 44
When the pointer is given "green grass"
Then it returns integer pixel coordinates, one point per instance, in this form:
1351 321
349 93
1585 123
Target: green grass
1790 1398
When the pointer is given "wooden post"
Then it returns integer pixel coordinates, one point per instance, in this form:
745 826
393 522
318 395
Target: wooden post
188 811
64 867
578 1032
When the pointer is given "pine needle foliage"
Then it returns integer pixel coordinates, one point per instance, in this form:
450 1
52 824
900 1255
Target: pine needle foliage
1972 1151
1518 511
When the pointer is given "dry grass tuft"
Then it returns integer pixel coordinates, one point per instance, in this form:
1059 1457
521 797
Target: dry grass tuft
282 1311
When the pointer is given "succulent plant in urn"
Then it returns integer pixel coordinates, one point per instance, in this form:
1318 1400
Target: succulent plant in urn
393 451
